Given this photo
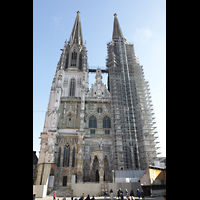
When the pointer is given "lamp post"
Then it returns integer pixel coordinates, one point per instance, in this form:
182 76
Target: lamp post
113 171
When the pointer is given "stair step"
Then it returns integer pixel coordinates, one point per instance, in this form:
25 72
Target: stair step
62 191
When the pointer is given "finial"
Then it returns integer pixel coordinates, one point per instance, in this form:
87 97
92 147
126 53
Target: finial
78 12
115 14
65 43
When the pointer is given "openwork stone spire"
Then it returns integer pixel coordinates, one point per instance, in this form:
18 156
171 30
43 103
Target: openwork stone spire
76 35
117 32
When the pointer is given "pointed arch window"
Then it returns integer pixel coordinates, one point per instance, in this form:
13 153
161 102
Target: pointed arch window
59 152
80 61
67 59
73 59
106 124
66 156
72 88
92 124
73 157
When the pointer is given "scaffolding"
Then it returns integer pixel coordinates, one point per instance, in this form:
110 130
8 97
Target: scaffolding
133 121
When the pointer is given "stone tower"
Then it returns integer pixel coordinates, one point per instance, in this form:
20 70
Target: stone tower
131 108
62 142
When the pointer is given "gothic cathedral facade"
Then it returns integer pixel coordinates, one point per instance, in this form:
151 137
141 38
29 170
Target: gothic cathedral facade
89 133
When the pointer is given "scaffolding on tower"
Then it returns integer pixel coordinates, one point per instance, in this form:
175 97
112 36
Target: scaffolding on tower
134 132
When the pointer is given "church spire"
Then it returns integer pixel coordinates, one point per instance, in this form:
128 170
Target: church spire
117 32
76 35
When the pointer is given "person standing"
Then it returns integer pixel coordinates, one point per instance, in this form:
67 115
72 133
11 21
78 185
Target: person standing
88 197
142 194
93 198
126 193
138 193
105 193
54 195
118 193
122 196
111 194
132 193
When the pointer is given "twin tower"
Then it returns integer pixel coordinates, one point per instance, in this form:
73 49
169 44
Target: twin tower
90 132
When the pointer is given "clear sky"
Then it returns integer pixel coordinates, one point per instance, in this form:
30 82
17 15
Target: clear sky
143 23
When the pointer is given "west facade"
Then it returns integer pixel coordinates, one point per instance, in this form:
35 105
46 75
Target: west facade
89 133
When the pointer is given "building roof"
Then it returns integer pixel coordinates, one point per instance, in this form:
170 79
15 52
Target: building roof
151 167
117 32
76 35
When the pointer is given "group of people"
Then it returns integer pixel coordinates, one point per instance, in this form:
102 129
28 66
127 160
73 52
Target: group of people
54 197
120 195
87 198
81 198
131 196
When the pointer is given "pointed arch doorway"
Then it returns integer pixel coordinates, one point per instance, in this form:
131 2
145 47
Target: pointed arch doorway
95 170
97 176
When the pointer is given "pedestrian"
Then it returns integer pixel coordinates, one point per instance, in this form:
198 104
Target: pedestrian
121 191
105 193
72 198
132 193
88 197
142 194
111 191
93 198
54 195
111 194
34 196
138 193
64 198
82 196
118 193
126 193
122 196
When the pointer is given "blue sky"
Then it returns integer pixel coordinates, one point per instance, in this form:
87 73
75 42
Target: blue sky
143 23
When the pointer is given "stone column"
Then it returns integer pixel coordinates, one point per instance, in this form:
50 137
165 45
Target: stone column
71 155
80 147
61 156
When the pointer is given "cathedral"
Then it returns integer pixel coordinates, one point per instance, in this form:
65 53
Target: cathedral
88 133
